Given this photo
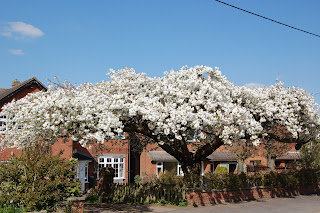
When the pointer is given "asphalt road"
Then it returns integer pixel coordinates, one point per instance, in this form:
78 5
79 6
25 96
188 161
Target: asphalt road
298 204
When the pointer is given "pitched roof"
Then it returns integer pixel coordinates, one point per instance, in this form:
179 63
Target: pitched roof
222 156
290 156
6 93
161 156
82 156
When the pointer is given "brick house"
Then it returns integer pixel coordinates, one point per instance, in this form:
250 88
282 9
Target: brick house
17 91
124 156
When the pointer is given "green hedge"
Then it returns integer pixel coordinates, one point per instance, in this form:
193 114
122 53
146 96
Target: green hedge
272 180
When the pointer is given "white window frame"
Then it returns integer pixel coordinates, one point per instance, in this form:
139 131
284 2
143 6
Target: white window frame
226 165
159 166
114 161
179 170
3 119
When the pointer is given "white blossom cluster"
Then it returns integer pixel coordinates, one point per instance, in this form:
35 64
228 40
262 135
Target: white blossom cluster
197 98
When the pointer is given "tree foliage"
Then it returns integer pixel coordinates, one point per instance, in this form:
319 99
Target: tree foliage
36 180
310 155
166 109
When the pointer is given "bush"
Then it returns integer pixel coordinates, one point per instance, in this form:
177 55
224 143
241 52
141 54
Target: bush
281 180
221 170
307 176
11 209
167 178
36 180
272 180
255 180
137 179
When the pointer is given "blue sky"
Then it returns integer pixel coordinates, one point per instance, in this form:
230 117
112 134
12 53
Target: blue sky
80 40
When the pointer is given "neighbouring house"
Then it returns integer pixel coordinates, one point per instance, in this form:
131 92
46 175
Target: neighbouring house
17 91
124 156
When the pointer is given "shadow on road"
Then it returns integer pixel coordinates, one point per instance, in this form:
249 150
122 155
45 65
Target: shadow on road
105 207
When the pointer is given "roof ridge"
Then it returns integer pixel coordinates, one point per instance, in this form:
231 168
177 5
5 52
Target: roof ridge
8 91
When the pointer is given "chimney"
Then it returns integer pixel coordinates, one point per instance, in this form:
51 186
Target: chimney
15 83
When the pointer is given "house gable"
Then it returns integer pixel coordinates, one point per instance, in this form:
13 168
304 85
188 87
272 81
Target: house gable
20 90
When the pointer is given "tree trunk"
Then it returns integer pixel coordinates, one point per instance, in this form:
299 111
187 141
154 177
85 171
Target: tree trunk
271 162
192 173
241 166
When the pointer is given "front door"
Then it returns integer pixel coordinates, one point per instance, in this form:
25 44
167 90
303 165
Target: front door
82 173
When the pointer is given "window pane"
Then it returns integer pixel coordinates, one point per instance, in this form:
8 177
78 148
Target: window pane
115 159
101 159
116 170
121 170
86 172
121 159
170 166
108 159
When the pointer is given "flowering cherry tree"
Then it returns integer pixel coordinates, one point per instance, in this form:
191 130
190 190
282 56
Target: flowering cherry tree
166 109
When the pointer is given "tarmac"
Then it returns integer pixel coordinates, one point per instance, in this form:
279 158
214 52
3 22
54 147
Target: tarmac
297 204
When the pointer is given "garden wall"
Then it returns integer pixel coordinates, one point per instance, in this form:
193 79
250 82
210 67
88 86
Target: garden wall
201 197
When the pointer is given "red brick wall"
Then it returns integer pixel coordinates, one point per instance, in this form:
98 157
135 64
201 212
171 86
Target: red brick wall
147 167
63 147
199 197
7 153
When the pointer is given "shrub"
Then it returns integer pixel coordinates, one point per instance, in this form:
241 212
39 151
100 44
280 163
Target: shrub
11 209
167 178
36 180
308 176
255 180
221 170
137 179
281 180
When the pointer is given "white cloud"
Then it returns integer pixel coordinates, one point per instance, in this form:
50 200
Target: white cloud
21 29
255 85
16 51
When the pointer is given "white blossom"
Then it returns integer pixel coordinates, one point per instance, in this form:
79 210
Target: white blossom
197 98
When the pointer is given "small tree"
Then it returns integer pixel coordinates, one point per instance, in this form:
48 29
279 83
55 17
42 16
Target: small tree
37 180
273 149
242 150
310 155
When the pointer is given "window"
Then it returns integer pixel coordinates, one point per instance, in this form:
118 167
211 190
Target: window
231 166
173 167
289 164
226 165
159 167
255 162
3 123
179 170
114 161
